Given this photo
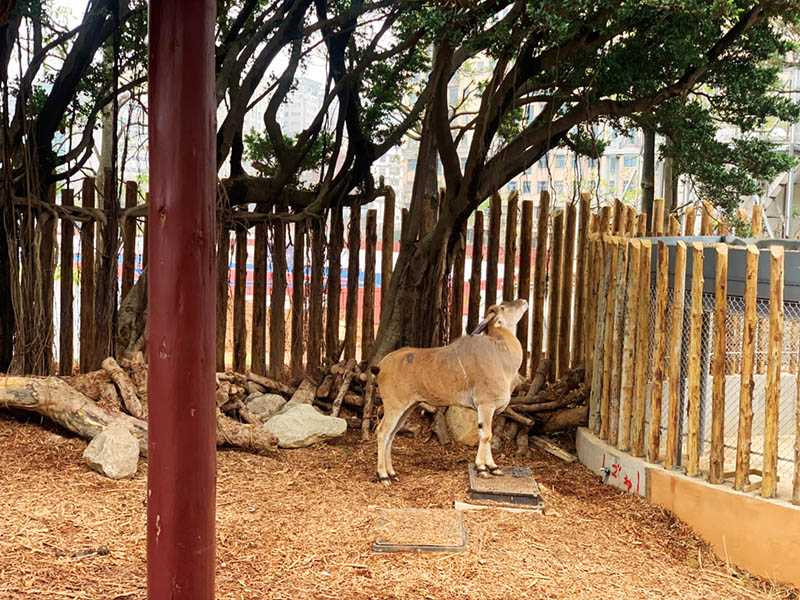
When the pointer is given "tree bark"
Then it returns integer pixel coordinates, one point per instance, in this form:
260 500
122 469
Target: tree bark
648 170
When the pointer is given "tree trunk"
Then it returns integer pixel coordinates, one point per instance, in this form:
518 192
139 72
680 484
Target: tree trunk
648 170
6 301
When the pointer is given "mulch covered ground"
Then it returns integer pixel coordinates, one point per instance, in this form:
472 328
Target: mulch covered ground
298 524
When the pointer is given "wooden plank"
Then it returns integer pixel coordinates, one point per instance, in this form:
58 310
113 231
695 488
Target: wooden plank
87 279
769 481
716 464
594 270
239 290
387 246
641 225
688 226
659 350
368 319
314 349
277 300
706 219
757 221
258 334
749 325
598 354
223 289
128 241
657 226
333 312
629 344
457 302
642 351
673 449
608 342
539 279
493 250
525 249
567 292
581 283
617 342
473 312
65 350
351 306
693 432
618 224
605 221
298 306
510 249
554 293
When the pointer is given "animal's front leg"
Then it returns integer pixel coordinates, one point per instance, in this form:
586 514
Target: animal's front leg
484 462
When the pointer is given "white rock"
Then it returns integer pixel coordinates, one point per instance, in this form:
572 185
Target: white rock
300 425
462 423
114 452
265 406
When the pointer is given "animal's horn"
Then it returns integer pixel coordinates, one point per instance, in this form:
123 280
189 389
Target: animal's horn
487 320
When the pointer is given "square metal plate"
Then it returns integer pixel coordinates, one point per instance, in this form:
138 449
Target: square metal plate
420 530
515 487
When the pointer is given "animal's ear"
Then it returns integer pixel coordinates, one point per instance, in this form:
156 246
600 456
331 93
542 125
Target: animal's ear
488 319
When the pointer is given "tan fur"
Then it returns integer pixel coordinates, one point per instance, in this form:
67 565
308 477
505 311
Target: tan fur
476 371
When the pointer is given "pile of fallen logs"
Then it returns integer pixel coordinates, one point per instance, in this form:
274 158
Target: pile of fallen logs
84 404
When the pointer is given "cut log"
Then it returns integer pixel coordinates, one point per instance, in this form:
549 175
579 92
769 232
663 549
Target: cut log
539 378
127 390
440 428
246 436
569 418
522 443
349 372
551 448
305 393
369 397
324 389
575 396
89 384
510 413
271 385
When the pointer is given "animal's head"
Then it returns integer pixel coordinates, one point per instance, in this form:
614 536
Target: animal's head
506 314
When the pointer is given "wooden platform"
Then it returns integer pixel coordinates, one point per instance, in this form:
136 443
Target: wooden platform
515 488
420 530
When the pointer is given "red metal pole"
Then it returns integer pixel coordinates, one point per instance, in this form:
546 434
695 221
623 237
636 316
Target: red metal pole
182 422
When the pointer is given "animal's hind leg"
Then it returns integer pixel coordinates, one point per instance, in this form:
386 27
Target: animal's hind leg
400 421
484 462
384 433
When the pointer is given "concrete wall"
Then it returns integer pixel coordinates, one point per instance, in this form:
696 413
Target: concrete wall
758 535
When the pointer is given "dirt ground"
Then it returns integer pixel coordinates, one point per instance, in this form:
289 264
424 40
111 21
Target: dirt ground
298 524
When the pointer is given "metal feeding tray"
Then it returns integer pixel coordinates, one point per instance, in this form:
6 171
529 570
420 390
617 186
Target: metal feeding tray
420 530
516 488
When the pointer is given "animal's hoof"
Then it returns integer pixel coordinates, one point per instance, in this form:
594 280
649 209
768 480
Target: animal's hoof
385 480
482 472
394 477
496 471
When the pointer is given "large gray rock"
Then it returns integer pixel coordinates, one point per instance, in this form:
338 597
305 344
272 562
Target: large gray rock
300 425
462 423
113 452
265 406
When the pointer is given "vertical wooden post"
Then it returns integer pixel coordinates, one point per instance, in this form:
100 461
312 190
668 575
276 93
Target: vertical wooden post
593 271
598 355
750 324
581 283
621 273
567 292
387 247
87 280
555 294
258 339
716 463
674 226
351 307
493 250
641 225
539 280
618 225
368 320
107 279
510 250
657 226
277 299
457 303
693 432
659 350
473 312
65 353
688 227
630 220
128 241
706 223
642 351
314 350
525 248
47 223
298 307
223 289
239 290
796 481
607 350
334 283
605 221
629 345
757 221
672 455
769 481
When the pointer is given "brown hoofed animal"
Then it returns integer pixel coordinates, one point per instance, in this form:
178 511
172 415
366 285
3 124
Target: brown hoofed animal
476 371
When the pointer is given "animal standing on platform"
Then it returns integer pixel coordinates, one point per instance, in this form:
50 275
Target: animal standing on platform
476 371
